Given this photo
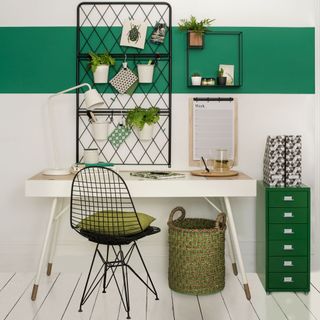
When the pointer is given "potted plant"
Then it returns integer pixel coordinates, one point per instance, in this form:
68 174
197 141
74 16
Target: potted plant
99 64
195 29
145 72
221 79
196 79
143 119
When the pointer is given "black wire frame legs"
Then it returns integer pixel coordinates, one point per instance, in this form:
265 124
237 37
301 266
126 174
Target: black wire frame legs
107 273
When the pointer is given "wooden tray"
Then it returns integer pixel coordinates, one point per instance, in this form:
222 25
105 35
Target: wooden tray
204 173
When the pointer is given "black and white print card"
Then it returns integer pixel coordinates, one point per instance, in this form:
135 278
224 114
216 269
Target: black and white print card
134 34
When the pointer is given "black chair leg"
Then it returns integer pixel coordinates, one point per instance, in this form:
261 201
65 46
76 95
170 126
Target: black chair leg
125 283
154 291
105 271
83 298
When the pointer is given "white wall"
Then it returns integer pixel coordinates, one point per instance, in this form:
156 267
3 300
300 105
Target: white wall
25 152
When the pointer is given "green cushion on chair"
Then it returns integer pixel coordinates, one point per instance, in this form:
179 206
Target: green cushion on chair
109 223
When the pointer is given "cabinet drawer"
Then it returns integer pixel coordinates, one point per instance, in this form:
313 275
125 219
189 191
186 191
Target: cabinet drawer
288 248
286 231
288 281
288 264
291 215
290 198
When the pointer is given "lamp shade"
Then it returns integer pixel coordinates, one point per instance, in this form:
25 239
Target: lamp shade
93 99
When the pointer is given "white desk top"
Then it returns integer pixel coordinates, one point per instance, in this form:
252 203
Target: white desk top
190 186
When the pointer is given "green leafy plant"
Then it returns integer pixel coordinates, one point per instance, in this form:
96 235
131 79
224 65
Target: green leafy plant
193 25
138 117
99 59
220 72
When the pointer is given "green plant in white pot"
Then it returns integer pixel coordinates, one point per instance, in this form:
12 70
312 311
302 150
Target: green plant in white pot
99 64
145 72
143 119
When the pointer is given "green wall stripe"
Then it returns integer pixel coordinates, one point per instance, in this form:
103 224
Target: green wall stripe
275 60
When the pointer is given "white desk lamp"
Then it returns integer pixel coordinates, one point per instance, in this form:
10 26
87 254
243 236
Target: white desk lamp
92 100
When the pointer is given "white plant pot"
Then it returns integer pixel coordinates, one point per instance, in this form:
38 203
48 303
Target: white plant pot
101 74
146 133
196 81
145 73
100 130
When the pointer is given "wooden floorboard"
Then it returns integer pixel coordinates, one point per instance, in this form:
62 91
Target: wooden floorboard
13 291
27 309
185 307
264 305
59 297
5 278
162 308
292 306
213 304
237 304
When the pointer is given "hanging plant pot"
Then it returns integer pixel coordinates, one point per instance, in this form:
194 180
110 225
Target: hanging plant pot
196 39
101 74
100 130
146 132
145 73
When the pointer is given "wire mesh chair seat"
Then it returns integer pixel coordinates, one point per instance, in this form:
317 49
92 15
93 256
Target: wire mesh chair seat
102 211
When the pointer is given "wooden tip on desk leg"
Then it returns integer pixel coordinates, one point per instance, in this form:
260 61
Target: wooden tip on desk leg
49 269
247 291
235 269
34 292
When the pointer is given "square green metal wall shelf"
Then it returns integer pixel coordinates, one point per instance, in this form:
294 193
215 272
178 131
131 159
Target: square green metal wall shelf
219 47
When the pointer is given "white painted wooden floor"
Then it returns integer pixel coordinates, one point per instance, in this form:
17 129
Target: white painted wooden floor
59 296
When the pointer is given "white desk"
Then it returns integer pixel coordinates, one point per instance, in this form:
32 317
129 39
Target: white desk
59 187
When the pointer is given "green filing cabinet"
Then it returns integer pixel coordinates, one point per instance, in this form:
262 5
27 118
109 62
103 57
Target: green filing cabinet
283 237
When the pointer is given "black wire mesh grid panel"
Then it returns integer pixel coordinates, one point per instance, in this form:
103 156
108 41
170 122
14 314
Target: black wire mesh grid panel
99 29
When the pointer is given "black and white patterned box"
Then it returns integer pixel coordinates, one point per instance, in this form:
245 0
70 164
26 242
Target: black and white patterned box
274 161
293 167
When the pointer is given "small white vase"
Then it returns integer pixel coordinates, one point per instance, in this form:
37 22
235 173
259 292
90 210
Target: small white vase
196 81
101 74
146 132
145 73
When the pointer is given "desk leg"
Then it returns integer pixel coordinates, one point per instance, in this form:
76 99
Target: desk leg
52 247
229 243
44 249
230 247
235 242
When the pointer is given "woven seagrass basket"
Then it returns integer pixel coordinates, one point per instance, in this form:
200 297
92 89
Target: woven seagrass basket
196 253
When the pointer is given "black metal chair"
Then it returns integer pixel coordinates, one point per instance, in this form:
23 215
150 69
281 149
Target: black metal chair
102 210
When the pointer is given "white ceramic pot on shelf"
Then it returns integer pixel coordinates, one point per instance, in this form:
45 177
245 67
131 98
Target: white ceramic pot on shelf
146 133
101 74
145 73
196 81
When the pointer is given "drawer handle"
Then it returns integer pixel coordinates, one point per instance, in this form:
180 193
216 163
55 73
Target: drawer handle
288 247
287 280
288 215
288 198
288 231
287 263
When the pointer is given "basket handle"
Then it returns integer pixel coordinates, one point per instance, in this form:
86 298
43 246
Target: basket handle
221 221
182 215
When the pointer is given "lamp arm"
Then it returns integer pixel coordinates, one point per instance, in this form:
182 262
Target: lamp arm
70 89
51 131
